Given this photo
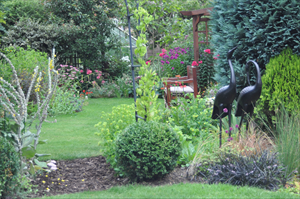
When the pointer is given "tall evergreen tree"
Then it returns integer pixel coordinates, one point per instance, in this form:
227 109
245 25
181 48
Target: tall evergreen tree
260 28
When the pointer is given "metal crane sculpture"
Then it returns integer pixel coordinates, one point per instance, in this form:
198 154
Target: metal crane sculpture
248 96
224 98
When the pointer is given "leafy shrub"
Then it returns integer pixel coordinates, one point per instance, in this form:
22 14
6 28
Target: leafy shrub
281 84
110 126
125 84
64 102
107 89
9 168
263 171
147 150
39 36
24 61
18 9
257 28
193 115
90 17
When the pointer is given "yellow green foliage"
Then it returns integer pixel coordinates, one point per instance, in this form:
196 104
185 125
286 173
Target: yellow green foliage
281 83
112 124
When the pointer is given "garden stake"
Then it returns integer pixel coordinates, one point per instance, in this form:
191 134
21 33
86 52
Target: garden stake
224 98
131 59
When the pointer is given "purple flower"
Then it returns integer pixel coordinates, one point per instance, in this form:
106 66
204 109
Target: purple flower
162 64
167 62
225 110
162 61
161 67
226 131
172 68
172 57
230 128
229 139
182 62
237 126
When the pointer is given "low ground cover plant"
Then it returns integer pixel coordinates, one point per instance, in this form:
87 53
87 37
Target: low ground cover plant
147 150
263 171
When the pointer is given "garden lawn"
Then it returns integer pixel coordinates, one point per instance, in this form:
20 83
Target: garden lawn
181 190
72 136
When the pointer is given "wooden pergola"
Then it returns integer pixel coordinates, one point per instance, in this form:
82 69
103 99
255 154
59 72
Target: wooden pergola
197 18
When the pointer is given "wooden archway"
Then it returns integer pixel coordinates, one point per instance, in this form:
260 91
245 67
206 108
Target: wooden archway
197 18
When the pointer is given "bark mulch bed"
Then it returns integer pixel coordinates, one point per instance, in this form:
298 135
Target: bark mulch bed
91 174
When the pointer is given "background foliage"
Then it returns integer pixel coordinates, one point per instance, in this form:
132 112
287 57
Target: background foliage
261 29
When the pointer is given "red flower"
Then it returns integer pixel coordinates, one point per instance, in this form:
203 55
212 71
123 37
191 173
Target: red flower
83 91
207 51
200 62
161 54
215 58
194 63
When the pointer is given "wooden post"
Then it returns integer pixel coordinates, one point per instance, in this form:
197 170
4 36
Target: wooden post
197 14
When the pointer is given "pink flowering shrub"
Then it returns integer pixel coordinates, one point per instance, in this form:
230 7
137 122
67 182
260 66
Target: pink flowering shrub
174 61
74 79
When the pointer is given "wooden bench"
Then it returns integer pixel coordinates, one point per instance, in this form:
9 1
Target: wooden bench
172 91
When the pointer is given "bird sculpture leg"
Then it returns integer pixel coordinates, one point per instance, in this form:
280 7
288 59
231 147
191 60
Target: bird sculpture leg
229 119
220 131
220 117
250 116
241 122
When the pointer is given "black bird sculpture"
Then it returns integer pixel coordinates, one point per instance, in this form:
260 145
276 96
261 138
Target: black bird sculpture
224 98
249 95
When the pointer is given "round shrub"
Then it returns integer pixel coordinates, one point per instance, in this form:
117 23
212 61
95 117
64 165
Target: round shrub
281 84
9 168
147 150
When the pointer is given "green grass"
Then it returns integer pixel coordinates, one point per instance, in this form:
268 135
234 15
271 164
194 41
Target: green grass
288 139
72 136
179 191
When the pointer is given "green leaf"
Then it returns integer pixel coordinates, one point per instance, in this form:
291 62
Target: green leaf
31 169
40 164
28 152
42 155
42 142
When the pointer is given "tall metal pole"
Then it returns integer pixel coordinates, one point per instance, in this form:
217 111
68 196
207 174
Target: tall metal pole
131 58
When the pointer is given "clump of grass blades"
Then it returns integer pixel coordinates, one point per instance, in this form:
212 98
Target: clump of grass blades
251 142
288 139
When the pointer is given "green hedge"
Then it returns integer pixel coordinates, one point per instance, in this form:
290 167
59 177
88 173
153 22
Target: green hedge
281 84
